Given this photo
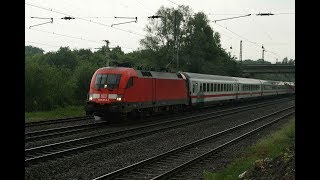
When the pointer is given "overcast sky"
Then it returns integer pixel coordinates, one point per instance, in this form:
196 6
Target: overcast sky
276 33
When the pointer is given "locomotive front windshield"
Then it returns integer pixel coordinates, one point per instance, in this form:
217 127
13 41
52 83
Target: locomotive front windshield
109 81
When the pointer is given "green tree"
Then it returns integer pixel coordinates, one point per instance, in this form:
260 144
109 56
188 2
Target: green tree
31 50
165 35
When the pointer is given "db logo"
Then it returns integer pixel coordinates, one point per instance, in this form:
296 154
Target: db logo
104 95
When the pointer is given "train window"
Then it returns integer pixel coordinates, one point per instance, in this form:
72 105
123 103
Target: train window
218 87
109 81
215 88
208 87
130 82
211 87
200 87
204 87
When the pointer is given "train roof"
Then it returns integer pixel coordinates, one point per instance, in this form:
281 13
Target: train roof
223 78
247 80
139 73
207 76
158 75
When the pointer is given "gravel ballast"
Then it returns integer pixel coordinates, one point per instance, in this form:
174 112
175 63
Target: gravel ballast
94 163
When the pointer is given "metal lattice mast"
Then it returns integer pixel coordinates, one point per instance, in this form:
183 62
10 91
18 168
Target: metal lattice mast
107 52
262 54
240 57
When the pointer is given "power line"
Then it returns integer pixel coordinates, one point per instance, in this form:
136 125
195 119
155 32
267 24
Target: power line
255 43
49 9
210 14
173 2
238 35
73 37
64 35
213 14
42 44
284 13
51 21
146 7
232 17
262 29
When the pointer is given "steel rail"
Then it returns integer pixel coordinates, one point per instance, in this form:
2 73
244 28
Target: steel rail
61 131
134 168
215 150
54 150
55 121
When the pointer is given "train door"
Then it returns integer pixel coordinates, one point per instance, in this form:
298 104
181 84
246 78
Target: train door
194 90
236 89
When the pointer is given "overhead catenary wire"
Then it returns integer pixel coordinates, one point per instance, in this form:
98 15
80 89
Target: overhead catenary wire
42 43
232 18
239 35
173 2
102 24
73 37
51 21
65 35
144 7
243 38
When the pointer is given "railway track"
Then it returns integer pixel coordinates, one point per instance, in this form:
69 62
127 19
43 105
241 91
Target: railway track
169 163
69 130
56 121
60 149
62 131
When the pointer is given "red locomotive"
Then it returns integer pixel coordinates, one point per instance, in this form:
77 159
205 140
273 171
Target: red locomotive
120 90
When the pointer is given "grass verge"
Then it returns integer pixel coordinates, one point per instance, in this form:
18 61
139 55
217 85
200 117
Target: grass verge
70 111
270 147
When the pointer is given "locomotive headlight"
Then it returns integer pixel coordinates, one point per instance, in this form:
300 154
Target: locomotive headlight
119 97
90 97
